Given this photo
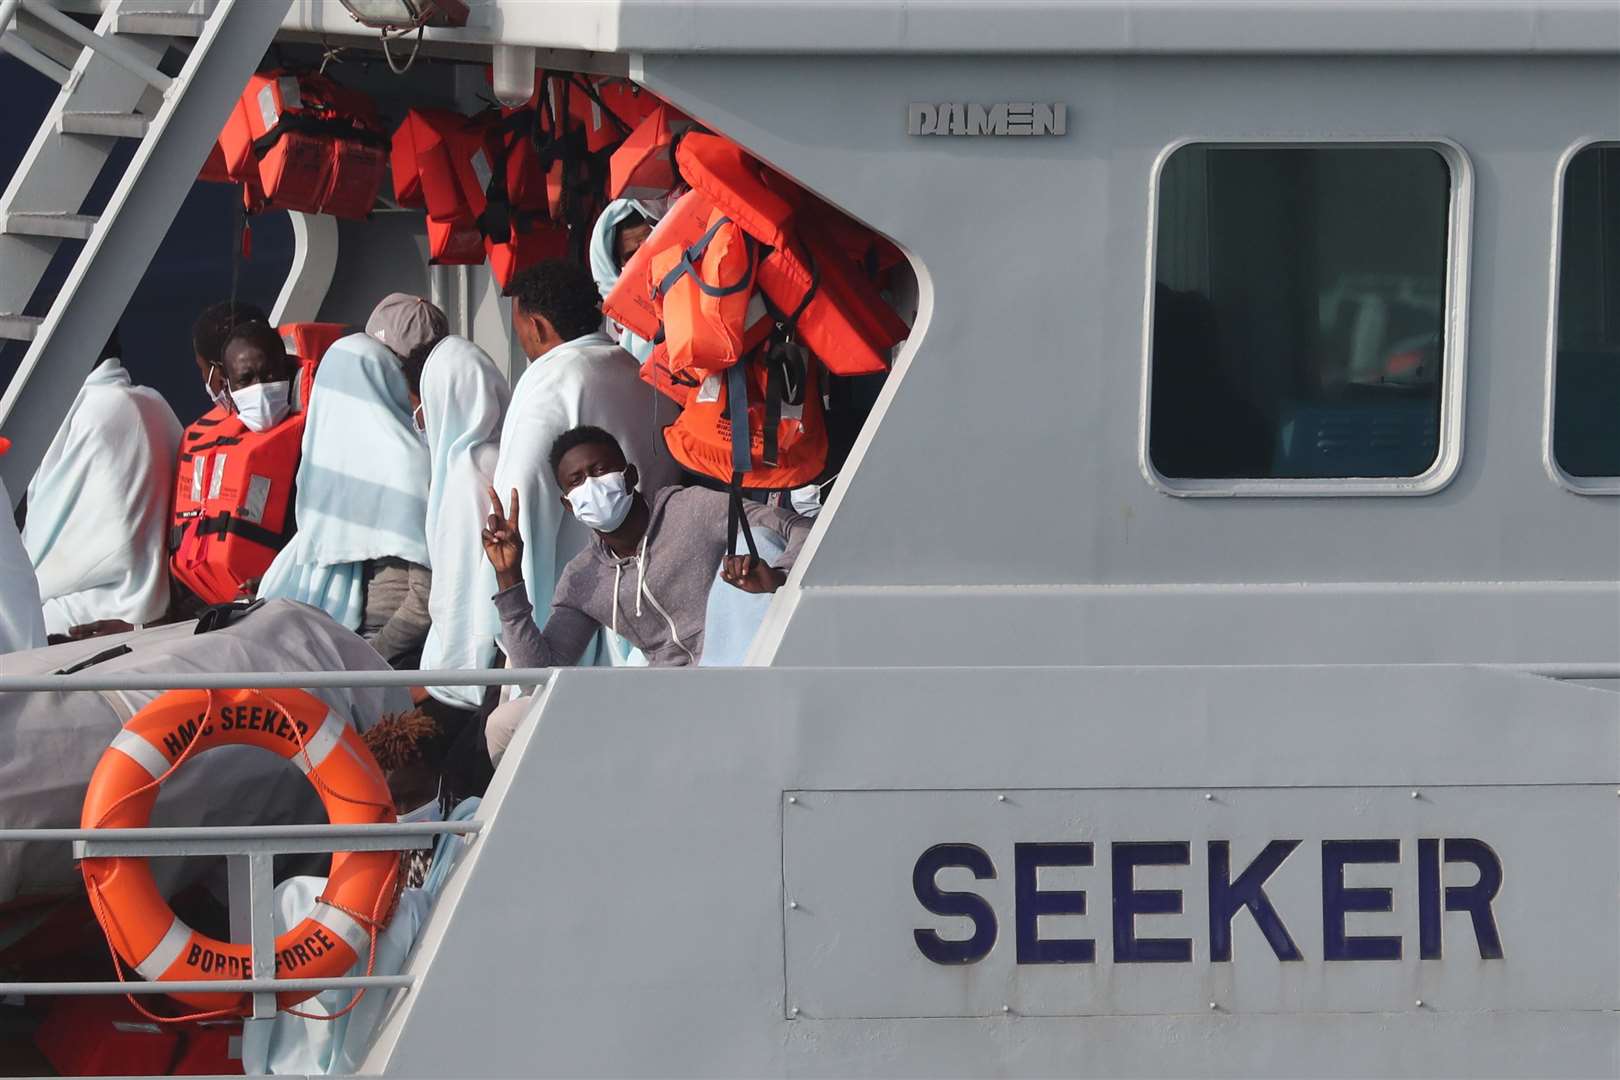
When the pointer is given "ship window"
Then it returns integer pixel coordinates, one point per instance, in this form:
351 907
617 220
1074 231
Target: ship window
1586 379
1298 316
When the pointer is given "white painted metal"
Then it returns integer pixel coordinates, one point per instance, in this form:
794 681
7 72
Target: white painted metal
118 125
55 176
315 254
61 226
104 44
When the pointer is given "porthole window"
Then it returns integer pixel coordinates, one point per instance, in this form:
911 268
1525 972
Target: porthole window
1586 368
1299 318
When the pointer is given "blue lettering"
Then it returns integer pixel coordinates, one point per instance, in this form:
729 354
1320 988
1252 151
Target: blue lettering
965 904
1129 902
1337 900
1031 903
1227 897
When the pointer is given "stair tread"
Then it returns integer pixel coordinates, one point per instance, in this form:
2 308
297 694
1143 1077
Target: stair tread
125 125
49 223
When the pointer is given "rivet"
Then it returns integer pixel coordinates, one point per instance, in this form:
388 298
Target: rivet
1213 1005
794 904
793 799
1416 795
1001 798
793 1011
1209 796
1419 1003
1006 1008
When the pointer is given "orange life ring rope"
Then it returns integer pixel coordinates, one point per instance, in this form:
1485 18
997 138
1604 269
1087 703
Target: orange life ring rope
141 927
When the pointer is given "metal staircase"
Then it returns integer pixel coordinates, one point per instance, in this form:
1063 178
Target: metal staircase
113 91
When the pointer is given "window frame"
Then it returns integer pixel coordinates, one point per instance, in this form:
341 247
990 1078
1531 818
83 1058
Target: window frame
1579 485
1459 241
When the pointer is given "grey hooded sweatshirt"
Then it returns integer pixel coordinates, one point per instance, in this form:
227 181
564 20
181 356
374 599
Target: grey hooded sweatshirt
655 600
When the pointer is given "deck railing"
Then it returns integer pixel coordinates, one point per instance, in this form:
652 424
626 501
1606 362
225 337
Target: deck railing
249 850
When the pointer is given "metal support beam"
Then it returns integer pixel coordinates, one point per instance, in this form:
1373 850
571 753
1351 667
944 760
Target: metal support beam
13 44
251 888
111 48
264 680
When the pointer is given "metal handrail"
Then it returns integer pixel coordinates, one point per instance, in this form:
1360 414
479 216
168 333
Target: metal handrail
272 680
204 986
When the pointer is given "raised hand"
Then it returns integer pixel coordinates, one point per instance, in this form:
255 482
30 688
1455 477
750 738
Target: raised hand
503 542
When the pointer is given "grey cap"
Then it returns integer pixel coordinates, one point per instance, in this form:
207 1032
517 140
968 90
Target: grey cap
402 322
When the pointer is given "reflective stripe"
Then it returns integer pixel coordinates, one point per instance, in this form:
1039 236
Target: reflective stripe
137 749
316 749
344 926
165 952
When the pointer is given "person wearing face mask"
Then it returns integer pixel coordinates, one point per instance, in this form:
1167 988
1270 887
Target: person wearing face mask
620 231
234 494
577 375
646 574
98 506
361 553
208 336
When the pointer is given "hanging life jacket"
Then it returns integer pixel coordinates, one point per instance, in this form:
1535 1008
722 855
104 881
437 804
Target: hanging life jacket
441 164
711 313
643 167
314 146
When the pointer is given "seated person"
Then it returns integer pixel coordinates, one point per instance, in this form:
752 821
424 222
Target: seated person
98 507
645 575
361 551
208 336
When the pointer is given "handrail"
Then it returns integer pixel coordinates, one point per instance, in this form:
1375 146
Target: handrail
205 986
271 680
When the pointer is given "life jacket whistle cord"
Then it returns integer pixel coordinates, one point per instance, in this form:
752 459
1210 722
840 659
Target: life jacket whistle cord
141 928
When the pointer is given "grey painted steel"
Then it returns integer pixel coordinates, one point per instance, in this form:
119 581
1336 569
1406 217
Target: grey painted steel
251 891
57 172
272 680
19 327
203 986
1091 28
661 797
1090 564
308 837
14 44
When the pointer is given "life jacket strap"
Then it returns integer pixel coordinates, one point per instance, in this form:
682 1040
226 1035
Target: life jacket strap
687 266
305 123
225 522
737 517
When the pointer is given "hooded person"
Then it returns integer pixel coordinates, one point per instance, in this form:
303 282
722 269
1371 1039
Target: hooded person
463 398
98 506
360 553
22 618
577 376
620 230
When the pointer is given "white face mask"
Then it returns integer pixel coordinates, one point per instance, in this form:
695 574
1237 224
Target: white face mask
806 500
428 811
602 502
263 405
220 395
419 422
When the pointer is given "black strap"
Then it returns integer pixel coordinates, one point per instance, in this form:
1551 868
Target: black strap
227 523
774 377
737 517
219 616
223 440
790 321
596 98
737 410
100 658
309 124
687 265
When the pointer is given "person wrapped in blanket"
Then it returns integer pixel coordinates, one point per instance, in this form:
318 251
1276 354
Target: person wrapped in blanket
646 573
406 745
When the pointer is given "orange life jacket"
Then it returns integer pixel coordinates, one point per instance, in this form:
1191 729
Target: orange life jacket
233 492
643 167
772 401
610 108
711 315
441 163
313 145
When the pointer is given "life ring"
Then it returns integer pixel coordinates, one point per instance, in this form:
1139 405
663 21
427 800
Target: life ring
138 922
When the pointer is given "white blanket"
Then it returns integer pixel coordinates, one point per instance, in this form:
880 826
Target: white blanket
296 1046
464 398
605 268
98 507
22 619
585 381
362 482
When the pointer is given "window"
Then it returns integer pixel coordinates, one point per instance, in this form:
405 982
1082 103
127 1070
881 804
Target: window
1586 372
1298 317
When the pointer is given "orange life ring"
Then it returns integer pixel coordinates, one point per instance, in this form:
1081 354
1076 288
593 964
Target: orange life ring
139 923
